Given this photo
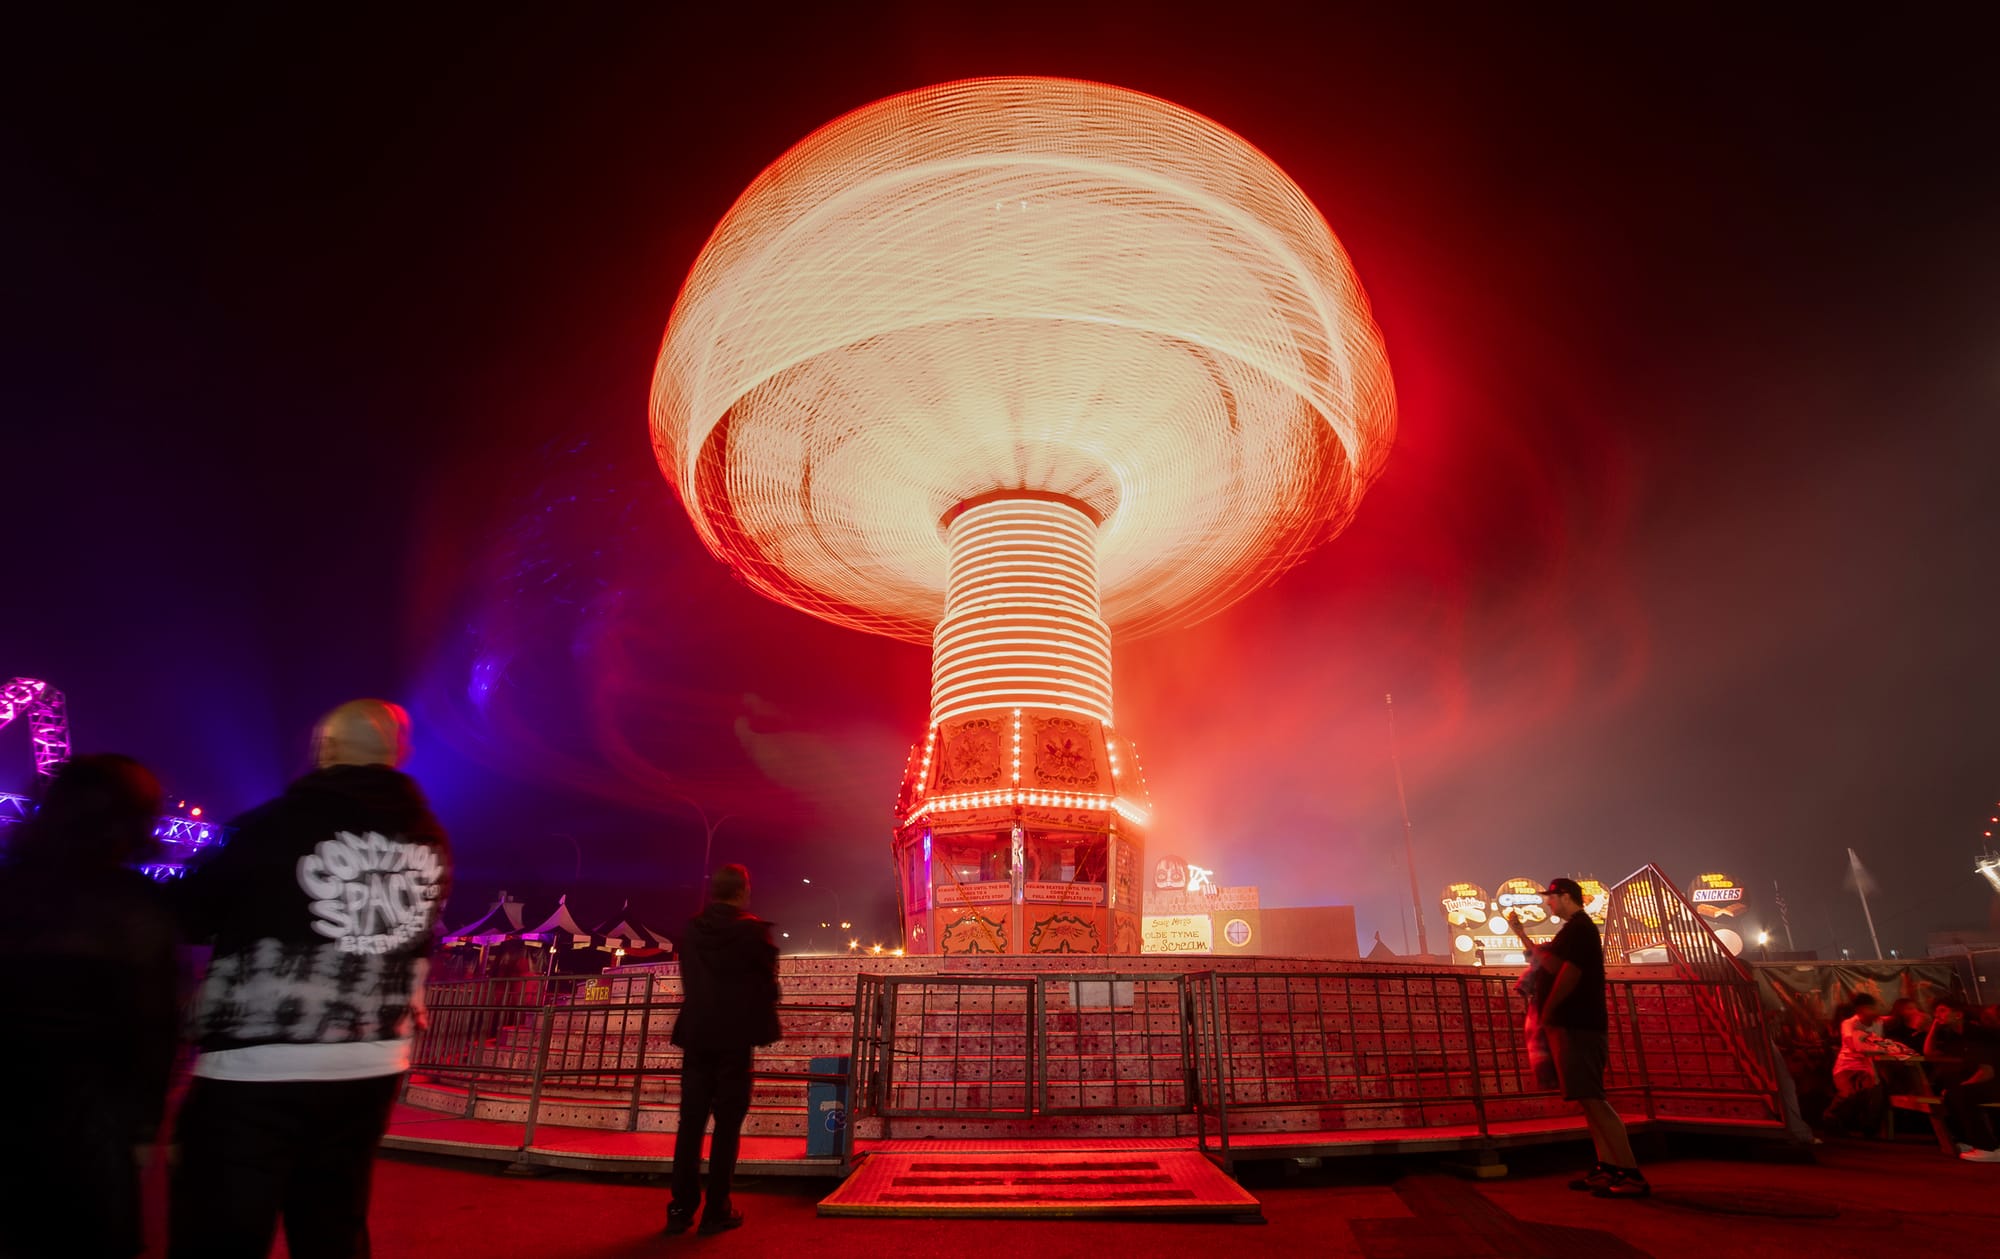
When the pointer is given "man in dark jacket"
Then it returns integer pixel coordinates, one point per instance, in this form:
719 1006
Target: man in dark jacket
729 985
322 910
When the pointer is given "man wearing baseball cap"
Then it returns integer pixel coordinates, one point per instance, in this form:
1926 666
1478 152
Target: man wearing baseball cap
1577 1021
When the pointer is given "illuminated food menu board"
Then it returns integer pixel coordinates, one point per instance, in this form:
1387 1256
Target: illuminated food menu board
1718 896
1480 935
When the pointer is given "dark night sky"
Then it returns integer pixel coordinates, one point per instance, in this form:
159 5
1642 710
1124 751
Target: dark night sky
330 371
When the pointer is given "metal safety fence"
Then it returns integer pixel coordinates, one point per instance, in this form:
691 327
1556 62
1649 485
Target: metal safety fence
600 1047
1248 1055
1409 1054
1645 912
1269 1051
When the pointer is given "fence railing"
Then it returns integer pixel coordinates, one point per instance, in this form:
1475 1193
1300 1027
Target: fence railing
1354 1051
1112 1044
1429 1051
596 1039
1645 910
1363 1050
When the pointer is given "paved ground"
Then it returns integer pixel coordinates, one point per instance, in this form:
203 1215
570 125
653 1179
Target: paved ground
1860 1199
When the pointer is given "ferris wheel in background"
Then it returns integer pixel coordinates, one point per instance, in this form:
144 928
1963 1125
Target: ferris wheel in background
48 721
180 835
48 731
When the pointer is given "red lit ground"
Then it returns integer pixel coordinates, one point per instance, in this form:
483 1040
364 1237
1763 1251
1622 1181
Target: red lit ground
1860 1199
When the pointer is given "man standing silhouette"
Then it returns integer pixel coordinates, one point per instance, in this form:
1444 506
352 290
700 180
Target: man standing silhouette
1578 1025
729 984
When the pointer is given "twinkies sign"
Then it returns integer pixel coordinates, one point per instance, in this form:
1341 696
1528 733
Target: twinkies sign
372 893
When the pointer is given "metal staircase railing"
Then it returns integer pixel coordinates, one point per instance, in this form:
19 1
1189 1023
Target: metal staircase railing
1645 911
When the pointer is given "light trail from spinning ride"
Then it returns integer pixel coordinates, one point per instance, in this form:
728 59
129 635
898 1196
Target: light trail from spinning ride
1008 366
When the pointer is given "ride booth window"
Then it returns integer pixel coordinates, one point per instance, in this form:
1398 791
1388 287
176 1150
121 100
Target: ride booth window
981 857
1067 857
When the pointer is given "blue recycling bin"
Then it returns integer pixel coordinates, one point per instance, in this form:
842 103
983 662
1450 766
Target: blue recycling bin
826 1107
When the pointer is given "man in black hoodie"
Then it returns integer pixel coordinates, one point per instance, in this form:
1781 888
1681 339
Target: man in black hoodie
321 909
729 985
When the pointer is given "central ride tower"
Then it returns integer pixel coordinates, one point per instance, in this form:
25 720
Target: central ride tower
1018 825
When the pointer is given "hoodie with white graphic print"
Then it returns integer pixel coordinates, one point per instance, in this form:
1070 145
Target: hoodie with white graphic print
323 908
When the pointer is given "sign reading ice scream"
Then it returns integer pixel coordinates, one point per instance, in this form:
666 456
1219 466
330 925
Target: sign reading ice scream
1177 933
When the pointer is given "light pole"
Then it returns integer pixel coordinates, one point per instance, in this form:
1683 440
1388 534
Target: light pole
1764 943
708 840
1409 843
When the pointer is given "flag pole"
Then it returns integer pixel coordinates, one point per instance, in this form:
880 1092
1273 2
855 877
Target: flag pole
1409 842
1861 887
1784 916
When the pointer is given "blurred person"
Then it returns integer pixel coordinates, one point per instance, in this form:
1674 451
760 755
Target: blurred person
1533 988
1907 1024
729 987
1860 1101
88 993
322 910
1577 1022
1962 1060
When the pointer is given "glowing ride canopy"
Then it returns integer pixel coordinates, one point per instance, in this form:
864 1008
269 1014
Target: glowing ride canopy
1033 285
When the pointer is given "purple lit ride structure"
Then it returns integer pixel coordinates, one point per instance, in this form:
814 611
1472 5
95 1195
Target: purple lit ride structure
181 835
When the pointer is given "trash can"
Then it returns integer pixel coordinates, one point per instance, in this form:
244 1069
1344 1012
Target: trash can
826 1107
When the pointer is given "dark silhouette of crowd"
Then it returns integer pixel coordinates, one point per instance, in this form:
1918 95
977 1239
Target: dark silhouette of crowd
1944 1057
89 996
318 918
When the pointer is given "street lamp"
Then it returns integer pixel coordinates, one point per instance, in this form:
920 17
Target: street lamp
1764 943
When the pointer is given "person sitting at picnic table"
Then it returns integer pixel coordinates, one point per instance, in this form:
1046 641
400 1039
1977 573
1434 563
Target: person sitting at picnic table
1861 1101
1907 1024
1962 1061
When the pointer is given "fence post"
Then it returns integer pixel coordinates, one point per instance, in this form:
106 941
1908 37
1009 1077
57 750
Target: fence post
1190 1079
892 999
1218 1017
1472 1056
543 1032
645 1038
1034 1058
857 1016
1639 1044
1030 1061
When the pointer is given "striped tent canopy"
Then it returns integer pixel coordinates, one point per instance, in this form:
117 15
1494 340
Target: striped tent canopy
562 930
627 933
502 921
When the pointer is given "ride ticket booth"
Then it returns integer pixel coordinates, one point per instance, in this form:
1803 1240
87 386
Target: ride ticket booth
1043 859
